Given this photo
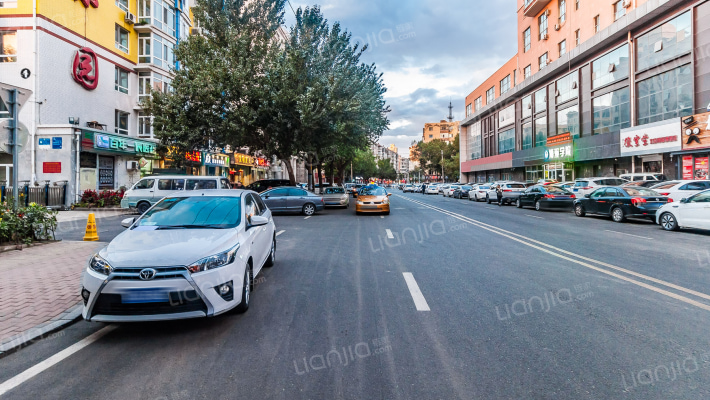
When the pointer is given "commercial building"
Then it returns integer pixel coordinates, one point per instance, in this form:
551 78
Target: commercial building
597 88
443 130
88 65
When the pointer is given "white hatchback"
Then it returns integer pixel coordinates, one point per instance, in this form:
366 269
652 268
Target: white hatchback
678 190
691 212
193 254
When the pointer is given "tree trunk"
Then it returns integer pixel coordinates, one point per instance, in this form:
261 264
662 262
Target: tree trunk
319 167
310 172
289 168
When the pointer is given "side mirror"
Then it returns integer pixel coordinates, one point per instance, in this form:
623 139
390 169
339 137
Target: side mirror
258 220
389 194
586 196
126 223
684 200
266 196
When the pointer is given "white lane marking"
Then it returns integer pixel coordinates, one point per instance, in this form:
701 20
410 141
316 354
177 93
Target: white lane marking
279 232
534 216
628 234
307 217
558 253
417 296
33 371
389 234
382 216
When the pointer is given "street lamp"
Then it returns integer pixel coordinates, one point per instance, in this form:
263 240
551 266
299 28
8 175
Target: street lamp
442 166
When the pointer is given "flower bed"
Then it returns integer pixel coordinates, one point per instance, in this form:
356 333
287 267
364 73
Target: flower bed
26 224
104 198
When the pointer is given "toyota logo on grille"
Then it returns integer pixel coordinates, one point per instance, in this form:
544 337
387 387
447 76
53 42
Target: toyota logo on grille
147 274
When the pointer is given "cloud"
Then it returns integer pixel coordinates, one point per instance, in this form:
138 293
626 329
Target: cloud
429 51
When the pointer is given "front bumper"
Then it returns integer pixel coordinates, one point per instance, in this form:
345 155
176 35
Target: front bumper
372 208
174 293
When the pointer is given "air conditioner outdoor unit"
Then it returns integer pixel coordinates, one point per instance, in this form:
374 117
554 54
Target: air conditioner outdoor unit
545 36
557 27
626 3
130 18
547 12
197 31
132 165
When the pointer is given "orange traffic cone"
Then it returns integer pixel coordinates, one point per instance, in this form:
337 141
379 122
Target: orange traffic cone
92 234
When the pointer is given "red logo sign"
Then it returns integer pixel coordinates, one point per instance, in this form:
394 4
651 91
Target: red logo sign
92 3
637 141
52 167
563 138
86 68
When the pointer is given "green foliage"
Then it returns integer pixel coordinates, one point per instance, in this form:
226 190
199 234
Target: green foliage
364 164
26 224
430 157
385 170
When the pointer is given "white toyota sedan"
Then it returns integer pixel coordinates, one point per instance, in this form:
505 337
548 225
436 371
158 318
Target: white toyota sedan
193 254
690 212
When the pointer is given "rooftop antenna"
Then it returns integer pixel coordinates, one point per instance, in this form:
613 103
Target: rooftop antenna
451 115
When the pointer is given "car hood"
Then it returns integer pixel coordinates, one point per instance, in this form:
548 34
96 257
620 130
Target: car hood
138 248
363 197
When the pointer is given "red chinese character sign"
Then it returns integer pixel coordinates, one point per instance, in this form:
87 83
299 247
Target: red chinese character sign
92 3
85 69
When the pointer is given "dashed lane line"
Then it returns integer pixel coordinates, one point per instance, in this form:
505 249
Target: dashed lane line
417 296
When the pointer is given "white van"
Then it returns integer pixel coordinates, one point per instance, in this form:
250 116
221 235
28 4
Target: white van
646 176
151 189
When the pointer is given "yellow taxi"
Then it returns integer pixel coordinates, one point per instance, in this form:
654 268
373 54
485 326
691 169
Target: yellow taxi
373 199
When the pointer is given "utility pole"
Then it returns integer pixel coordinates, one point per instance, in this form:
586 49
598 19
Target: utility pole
351 171
442 166
14 122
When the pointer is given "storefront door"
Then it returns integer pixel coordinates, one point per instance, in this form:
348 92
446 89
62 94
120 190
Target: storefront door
106 172
561 172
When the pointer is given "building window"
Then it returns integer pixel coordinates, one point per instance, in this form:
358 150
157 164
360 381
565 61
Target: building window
541 100
596 24
505 84
526 40
527 135
468 110
478 103
666 96
8 46
611 112
162 15
542 61
153 49
506 116
611 67
474 142
542 26
563 11
121 81
666 42
562 47
121 39
145 127
506 141
431 136
619 9
431 128
527 71
568 121
527 106
490 95
540 131
122 4
576 38
121 122
567 88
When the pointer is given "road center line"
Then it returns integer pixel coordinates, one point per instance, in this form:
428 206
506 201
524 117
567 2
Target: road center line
628 234
534 216
559 253
417 296
279 232
389 234
307 217
33 371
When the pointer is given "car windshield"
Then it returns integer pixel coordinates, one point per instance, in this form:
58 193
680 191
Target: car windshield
195 212
665 185
555 189
372 191
335 190
633 191
466 187
516 185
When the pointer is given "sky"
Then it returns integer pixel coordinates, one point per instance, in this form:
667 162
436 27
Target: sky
430 52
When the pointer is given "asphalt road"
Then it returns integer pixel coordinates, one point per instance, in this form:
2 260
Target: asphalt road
442 299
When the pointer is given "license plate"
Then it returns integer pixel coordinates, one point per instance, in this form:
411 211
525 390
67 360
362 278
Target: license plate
144 296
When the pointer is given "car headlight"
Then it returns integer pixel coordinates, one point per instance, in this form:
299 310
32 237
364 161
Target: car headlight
98 264
386 201
215 261
359 202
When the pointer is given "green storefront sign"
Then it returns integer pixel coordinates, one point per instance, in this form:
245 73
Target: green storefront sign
107 142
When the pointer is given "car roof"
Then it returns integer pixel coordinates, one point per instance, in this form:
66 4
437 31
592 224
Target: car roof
210 193
183 177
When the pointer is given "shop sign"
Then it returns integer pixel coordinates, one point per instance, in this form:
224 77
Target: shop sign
701 167
695 131
687 167
216 160
194 156
116 144
57 143
563 138
44 143
243 159
559 153
648 139
262 162
85 69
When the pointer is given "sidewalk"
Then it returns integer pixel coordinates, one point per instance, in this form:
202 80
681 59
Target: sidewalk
39 287
83 215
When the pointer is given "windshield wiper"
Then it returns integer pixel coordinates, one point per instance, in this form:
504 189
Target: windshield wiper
212 226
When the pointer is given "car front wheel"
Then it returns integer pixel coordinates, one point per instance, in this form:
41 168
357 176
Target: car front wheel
246 291
579 210
309 209
668 222
272 255
518 203
537 205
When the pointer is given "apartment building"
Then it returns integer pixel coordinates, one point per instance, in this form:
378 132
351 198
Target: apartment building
597 88
443 130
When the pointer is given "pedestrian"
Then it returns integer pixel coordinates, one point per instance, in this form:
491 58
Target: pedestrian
499 193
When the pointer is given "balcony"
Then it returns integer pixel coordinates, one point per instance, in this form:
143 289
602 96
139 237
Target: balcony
533 7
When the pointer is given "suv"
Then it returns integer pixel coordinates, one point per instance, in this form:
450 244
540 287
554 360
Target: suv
584 186
266 184
511 191
408 188
647 176
151 189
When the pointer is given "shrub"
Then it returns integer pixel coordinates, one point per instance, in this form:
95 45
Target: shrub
26 224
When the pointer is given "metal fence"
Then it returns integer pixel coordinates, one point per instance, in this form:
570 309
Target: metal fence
51 196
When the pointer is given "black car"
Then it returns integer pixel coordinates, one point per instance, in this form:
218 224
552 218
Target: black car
621 203
461 192
266 184
546 197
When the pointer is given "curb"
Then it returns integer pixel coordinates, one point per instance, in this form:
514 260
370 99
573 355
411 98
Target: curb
98 209
39 332
20 247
